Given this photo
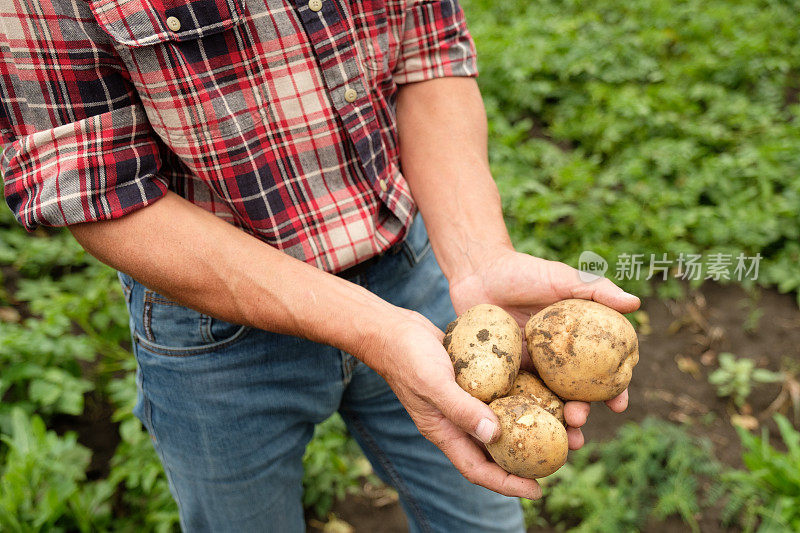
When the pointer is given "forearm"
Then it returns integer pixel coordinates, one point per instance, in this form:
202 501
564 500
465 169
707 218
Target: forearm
201 261
443 135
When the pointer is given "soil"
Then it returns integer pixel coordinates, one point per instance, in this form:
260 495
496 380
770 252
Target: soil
677 353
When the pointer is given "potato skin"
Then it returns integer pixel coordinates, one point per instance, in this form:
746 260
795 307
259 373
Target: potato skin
527 384
533 443
485 346
582 350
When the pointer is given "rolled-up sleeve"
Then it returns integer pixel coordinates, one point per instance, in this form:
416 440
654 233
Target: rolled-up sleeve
435 43
78 146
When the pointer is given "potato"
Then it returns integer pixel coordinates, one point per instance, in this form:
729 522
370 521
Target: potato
527 384
533 443
485 346
582 350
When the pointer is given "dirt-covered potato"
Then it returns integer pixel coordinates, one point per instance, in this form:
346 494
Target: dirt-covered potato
533 443
527 384
485 345
582 350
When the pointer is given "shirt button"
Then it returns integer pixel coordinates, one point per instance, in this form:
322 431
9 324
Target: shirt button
350 95
173 23
383 185
314 5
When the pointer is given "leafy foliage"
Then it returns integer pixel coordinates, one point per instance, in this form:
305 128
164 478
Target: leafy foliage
41 487
769 489
735 377
41 370
333 465
650 470
646 127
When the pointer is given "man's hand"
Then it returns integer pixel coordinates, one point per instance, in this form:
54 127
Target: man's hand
419 371
523 285
443 132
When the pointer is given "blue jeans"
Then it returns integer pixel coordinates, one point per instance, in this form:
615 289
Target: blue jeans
231 408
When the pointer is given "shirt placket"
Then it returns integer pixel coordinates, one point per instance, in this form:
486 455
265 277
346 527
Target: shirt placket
331 37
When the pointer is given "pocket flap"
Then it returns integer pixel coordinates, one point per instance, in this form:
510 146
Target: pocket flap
144 22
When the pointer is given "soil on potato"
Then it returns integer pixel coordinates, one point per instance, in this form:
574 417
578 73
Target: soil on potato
671 382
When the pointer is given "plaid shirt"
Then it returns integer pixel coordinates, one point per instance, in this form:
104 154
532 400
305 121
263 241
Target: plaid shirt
276 115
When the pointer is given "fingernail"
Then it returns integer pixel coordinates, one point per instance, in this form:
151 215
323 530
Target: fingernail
485 430
629 295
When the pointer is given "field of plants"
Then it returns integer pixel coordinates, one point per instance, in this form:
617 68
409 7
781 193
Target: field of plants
624 128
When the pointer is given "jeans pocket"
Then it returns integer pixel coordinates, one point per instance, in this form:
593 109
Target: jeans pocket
163 326
416 245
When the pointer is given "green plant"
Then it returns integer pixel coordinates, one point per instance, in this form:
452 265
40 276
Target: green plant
649 470
41 368
766 496
646 127
735 377
333 464
43 485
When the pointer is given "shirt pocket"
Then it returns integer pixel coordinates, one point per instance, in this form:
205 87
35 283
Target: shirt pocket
372 35
145 22
188 60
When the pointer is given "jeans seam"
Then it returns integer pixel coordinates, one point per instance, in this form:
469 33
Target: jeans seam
408 252
126 291
205 328
390 470
411 254
158 299
147 316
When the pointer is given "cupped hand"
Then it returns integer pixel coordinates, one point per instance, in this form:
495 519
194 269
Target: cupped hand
524 285
419 371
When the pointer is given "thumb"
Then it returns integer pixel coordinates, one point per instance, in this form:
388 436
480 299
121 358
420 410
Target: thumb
468 413
604 291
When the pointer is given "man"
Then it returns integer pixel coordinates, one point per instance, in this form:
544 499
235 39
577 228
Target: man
253 169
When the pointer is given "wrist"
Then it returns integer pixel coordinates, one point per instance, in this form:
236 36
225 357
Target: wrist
312 304
375 335
472 263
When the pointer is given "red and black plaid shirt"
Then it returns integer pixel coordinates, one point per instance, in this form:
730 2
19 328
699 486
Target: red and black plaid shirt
276 115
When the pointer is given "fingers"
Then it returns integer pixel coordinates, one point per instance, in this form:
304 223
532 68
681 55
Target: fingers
574 438
605 292
469 414
576 413
469 459
609 294
618 404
